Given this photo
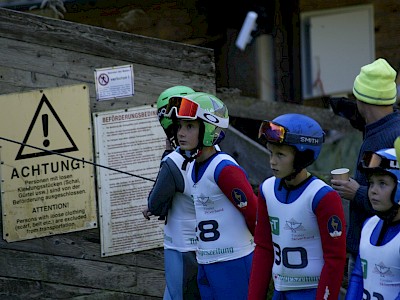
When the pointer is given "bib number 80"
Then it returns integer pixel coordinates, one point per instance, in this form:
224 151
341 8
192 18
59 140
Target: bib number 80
282 256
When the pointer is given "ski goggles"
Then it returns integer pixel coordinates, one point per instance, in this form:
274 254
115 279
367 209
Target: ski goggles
187 109
183 107
275 133
371 160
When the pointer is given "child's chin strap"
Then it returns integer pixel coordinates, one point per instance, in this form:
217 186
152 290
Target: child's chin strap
288 178
389 214
387 217
190 156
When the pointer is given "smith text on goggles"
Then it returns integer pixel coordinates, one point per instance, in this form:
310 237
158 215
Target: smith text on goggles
275 133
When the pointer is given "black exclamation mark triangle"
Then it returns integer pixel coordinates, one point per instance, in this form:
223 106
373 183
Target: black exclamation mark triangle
45 101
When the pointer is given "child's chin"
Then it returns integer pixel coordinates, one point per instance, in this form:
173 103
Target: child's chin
376 208
276 174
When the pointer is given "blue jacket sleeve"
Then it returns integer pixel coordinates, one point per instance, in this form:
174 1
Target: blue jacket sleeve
356 285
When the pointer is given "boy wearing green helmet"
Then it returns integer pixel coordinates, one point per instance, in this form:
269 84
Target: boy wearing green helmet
223 197
167 200
162 103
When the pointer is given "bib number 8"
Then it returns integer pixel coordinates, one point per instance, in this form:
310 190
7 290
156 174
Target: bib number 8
208 231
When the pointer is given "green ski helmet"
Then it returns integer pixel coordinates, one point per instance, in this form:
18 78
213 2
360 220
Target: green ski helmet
162 103
211 110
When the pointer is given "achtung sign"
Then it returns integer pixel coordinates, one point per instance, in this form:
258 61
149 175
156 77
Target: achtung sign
46 186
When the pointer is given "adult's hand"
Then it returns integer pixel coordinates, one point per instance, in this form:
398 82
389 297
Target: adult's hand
347 189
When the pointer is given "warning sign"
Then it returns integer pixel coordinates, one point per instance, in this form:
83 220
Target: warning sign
114 82
40 122
45 138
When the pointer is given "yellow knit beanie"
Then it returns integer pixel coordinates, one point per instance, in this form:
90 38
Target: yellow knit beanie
376 83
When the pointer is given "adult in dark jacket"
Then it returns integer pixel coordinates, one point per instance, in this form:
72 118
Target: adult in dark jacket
375 91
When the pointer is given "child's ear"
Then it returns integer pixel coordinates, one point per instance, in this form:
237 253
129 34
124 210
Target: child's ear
303 159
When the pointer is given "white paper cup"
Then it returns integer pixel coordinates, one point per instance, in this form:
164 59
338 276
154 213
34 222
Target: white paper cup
340 174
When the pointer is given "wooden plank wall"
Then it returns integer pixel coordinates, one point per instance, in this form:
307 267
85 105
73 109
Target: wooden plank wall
38 52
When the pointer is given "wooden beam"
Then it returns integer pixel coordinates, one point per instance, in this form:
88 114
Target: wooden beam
252 108
106 43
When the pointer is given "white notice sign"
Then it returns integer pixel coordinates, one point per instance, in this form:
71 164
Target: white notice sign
133 142
114 82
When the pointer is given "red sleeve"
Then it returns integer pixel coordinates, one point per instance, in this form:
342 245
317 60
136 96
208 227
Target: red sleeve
263 257
332 228
234 184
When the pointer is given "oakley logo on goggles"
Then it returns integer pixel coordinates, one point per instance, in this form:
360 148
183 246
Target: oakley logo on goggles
187 109
372 160
275 133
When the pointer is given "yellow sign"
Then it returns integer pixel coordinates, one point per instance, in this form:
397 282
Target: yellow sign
47 185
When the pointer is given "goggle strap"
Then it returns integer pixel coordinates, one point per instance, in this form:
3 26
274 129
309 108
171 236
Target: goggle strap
304 140
220 122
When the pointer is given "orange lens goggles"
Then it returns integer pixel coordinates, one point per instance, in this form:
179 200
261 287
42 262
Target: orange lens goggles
270 132
373 160
275 133
184 108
